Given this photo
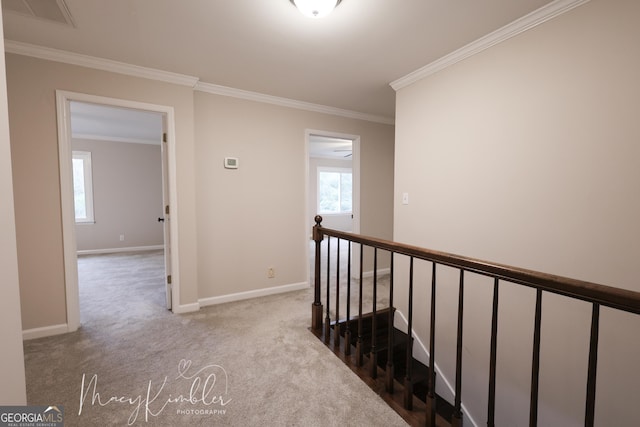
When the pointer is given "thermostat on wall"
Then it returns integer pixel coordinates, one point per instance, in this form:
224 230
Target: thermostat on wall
231 162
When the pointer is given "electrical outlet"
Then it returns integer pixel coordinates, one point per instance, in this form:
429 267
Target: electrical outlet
122 237
271 273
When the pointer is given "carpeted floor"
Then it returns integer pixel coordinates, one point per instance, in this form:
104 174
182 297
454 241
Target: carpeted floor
247 363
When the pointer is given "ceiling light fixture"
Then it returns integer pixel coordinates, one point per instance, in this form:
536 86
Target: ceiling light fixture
315 8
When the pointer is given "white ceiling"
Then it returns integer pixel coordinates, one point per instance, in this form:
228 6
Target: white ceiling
345 60
327 147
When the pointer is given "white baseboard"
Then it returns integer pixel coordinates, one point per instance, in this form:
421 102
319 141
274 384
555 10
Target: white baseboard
252 294
186 308
421 354
116 250
46 331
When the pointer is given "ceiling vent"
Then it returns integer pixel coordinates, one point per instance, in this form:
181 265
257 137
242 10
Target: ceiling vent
48 10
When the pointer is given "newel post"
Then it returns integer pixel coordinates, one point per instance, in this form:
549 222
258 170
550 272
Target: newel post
316 307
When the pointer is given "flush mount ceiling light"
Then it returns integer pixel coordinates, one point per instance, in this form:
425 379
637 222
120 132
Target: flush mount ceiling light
315 8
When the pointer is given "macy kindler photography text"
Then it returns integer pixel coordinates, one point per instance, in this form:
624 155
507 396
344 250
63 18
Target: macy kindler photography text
197 391
190 392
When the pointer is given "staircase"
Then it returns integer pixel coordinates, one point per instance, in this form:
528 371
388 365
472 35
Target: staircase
387 377
413 409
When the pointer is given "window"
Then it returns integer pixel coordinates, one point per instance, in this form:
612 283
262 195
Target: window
334 191
82 186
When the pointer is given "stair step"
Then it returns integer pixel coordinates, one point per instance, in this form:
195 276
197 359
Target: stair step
382 341
382 322
415 416
419 371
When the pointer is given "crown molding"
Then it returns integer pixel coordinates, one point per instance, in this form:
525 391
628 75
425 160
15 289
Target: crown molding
56 55
533 19
291 103
50 54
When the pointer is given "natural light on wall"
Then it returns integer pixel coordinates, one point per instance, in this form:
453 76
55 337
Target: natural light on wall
316 8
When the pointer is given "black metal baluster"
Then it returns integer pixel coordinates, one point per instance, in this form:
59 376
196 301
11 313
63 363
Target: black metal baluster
456 420
491 407
390 367
431 395
336 327
327 320
373 356
408 383
590 403
359 343
347 332
595 294
535 365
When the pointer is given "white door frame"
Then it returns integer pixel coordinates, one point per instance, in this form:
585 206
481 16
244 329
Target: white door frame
70 254
166 212
355 166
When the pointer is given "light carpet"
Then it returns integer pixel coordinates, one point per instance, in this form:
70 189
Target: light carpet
247 363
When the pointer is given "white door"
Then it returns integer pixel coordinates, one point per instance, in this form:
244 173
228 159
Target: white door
166 209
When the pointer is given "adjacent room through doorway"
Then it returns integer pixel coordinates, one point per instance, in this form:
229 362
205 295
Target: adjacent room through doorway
333 190
331 180
117 170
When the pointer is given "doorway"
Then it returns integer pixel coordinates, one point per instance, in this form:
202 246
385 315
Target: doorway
77 113
333 182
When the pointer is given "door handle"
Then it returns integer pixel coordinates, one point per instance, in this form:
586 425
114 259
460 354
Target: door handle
160 219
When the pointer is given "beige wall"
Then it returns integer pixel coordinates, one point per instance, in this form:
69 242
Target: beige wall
253 218
247 220
527 154
127 195
12 377
32 115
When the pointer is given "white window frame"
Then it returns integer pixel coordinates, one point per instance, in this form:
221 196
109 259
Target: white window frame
332 169
85 156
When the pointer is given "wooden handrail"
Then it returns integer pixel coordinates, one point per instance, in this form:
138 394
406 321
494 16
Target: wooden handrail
595 294
608 296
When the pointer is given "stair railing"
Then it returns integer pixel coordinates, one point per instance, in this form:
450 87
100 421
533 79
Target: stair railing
596 294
